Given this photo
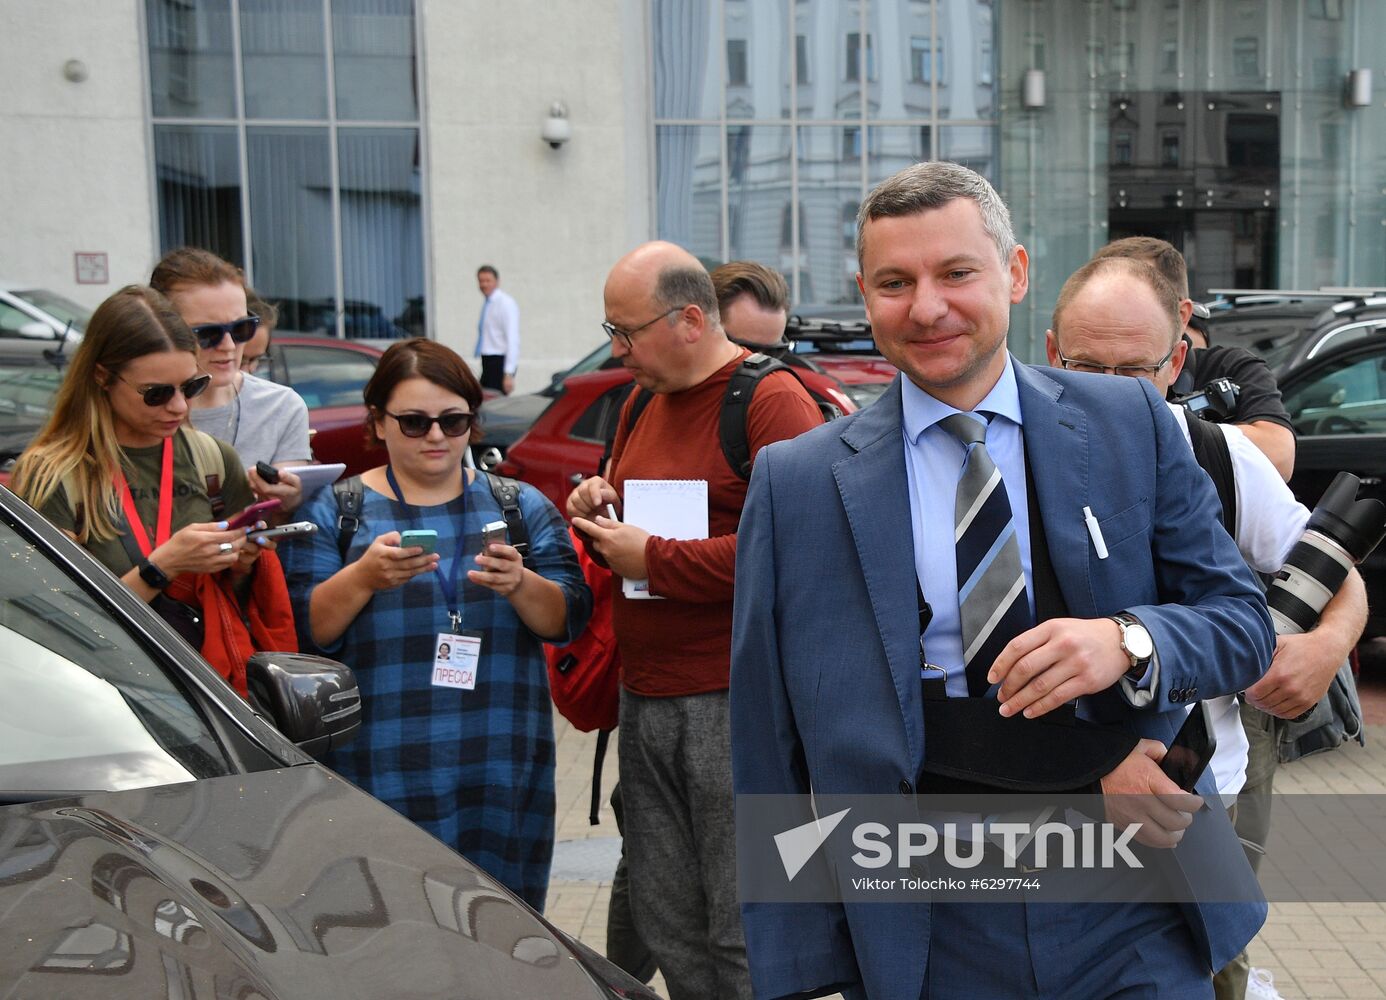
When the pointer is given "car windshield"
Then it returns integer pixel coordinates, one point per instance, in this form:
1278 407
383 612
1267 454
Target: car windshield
85 708
64 310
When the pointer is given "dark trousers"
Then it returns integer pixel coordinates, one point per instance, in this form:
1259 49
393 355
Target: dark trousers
493 372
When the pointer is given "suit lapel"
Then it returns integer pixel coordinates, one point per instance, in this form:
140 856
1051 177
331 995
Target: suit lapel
875 497
1056 454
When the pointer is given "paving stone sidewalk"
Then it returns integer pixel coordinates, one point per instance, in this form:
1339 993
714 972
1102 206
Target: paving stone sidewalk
1315 951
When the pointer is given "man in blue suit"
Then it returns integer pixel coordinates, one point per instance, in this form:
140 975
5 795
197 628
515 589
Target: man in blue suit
1117 530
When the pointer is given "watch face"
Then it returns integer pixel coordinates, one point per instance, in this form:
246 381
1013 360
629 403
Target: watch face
1138 642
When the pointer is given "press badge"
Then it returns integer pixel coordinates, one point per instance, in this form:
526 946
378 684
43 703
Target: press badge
455 659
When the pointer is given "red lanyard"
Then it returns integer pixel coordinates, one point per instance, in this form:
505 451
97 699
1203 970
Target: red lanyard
165 516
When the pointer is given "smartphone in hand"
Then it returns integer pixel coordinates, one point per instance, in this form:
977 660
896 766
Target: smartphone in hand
495 532
292 530
1192 749
424 537
252 513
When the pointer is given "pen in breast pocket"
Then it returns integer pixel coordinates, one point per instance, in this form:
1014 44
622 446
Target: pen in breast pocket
1095 530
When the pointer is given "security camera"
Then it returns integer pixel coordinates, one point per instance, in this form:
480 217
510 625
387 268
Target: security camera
556 130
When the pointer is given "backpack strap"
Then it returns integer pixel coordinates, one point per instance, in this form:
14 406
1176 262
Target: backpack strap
349 495
598 756
210 463
1215 458
736 405
507 494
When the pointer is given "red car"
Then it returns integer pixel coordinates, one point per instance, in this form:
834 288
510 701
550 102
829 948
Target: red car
566 442
329 374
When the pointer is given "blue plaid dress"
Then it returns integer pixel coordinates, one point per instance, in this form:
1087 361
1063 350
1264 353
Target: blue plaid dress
474 768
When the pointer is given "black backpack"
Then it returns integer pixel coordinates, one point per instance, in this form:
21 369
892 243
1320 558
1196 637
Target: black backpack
736 446
350 494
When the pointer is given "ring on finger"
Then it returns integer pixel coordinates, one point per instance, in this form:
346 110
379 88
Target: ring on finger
225 547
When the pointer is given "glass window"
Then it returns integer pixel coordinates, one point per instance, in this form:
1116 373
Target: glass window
198 174
801 59
375 60
853 57
382 230
598 423
736 62
687 43
1246 56
826 26
27 387
829 183
1348 398
85 707
291 215
283 59
336 241
972 146
190 62
921 59
758 189
689 189
327 375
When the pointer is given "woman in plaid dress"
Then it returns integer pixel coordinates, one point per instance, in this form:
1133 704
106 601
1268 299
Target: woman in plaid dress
463 745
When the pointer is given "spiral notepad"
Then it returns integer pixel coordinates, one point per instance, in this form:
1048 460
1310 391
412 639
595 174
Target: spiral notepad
669 508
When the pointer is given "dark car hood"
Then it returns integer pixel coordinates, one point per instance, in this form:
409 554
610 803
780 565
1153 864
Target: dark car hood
287 884
506 418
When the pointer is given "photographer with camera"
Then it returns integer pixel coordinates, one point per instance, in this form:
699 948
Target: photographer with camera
1118 315
1255 406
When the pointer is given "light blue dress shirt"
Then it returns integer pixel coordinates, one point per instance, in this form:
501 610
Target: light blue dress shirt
933 463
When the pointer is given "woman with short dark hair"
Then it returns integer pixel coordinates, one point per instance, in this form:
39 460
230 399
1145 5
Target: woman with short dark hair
463 748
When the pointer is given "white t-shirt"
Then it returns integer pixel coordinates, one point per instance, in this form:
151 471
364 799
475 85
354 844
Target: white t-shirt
1269 523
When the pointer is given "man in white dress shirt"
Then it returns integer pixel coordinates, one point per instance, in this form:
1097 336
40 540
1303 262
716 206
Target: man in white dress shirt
497 333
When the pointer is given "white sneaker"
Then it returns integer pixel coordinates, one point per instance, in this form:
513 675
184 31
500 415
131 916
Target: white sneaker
1260 985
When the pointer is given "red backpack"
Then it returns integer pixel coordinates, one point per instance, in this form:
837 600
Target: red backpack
585 675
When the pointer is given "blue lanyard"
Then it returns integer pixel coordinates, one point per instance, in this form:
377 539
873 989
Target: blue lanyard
447 577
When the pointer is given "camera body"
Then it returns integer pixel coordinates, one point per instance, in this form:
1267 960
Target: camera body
1216 401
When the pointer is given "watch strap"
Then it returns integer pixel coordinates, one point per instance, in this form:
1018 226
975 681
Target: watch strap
153 575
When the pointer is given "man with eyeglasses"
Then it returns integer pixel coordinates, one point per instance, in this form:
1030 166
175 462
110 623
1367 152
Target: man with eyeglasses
1259 412
1120 316
675 750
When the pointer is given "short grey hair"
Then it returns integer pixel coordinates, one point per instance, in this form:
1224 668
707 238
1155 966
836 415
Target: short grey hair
932 185
682 285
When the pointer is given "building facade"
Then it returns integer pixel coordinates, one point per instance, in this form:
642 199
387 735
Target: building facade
361 158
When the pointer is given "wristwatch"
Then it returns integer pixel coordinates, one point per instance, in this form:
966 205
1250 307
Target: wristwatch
153 575
1135 643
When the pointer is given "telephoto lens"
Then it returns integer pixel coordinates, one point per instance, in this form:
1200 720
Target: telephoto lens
1342 531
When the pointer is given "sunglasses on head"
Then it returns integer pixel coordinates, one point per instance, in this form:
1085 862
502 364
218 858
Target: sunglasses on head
209 335
416 425
161 392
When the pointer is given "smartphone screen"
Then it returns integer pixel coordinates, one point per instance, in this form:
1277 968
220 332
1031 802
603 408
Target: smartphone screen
1191 750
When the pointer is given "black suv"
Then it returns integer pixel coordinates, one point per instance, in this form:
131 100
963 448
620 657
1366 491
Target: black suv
1328 351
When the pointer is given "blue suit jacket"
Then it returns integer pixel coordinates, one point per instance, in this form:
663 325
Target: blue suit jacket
825 674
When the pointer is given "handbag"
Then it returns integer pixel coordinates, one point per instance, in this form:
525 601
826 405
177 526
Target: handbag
184 619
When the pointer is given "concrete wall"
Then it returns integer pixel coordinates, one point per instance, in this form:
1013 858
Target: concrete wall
551 221
75 162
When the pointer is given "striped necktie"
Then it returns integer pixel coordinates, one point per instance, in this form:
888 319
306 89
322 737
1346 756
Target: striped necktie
992 603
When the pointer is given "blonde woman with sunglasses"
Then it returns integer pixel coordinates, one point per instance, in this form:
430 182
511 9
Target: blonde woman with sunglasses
116 468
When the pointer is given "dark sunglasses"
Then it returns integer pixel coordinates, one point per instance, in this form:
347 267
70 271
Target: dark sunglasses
416 425
209 334
161 392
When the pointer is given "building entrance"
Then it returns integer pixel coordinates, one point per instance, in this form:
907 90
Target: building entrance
1201 170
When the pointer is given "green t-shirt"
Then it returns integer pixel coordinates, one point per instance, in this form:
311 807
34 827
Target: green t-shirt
191 503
